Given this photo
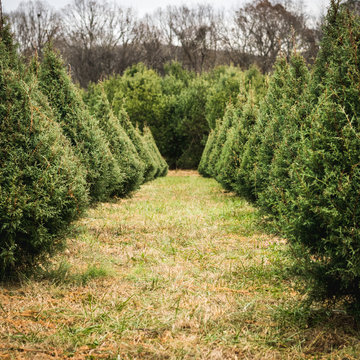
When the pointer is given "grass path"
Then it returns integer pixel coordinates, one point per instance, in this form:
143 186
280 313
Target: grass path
179 271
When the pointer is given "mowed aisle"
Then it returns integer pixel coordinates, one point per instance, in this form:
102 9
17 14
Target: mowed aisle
178 271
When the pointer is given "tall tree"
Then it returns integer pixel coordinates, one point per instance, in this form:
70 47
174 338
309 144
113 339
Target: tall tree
97 35
1 16
35 24
265 28
195 29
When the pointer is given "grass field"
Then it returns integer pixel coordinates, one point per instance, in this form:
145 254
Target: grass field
179 271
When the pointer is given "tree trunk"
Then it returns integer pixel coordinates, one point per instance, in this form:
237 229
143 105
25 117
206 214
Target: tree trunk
1 16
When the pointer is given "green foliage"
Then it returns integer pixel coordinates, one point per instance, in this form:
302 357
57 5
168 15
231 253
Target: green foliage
226 82
161 164
256 82
204 161
180 107
330 35
224 149
175 70
193 125
223 154
121 146
286 88
150 168
320 216
231 115
227 168
103 174
8 49
257 155
42 183
298 159
138 91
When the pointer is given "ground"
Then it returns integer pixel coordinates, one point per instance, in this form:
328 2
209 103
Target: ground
179 271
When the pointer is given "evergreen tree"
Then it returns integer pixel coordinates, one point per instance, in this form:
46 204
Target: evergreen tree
225 86
204 161
193 127
140 146
321 212
258 154
160 161
286 89
221 133
232 152
42 183
231 114
90 144
121 146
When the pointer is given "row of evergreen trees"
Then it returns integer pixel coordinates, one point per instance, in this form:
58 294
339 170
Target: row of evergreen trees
296 155
58 155
180 107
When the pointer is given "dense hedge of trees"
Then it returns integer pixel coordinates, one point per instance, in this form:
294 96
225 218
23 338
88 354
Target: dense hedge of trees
58 155
295 154
180 107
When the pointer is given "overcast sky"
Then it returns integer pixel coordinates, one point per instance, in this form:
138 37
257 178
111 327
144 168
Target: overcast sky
313 7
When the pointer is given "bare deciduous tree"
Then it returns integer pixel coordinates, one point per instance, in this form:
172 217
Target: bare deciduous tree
1 16
96 35
99 38
195 30
149 44
35 24
264 29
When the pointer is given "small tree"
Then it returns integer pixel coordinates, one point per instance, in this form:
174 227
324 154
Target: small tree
226 82
193 125
286 89
232 152
204 161
120 145
90 144
231 115
42 183
160 161
140 146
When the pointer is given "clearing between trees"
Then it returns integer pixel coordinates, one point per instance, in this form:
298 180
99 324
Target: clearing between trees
179 271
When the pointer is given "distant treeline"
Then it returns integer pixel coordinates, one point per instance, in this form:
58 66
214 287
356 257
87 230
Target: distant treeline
98 38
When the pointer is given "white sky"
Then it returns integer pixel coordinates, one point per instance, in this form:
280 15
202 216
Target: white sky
313 7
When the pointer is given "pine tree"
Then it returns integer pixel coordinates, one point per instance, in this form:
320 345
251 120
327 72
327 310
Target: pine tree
160 161
204 161
42 183
90 144
320 216
232 113
121 146
232 151
286 89
138 141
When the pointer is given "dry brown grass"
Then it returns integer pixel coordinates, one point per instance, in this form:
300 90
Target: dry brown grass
179 271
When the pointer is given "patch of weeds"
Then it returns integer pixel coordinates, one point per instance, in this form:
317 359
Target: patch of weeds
294 314
59 274
62 274
92 272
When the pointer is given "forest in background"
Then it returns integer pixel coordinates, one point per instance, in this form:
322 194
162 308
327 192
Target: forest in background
100 38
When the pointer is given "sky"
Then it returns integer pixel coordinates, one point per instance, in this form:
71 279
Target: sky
313 7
